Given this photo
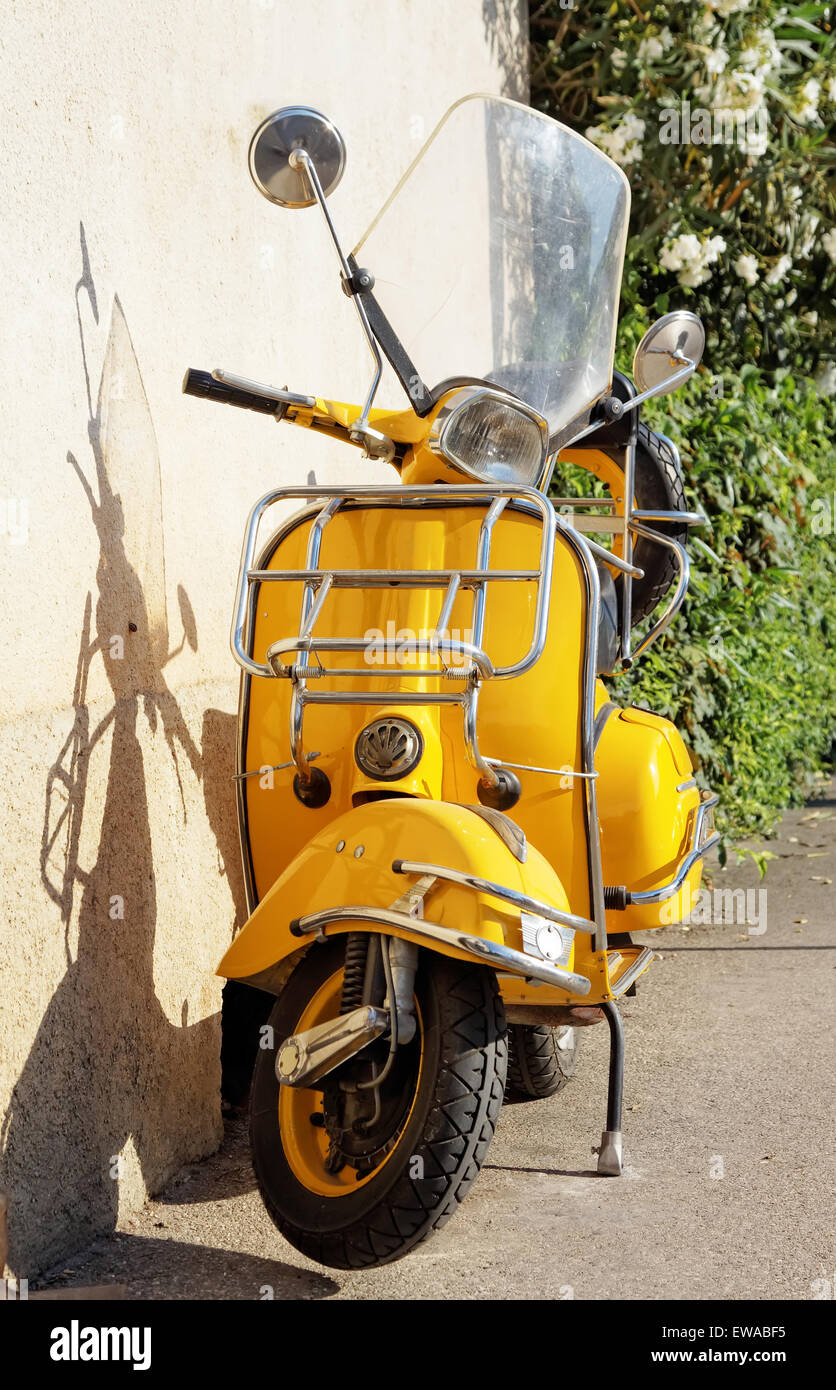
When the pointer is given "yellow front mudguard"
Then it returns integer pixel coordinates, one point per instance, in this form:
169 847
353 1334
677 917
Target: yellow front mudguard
349 863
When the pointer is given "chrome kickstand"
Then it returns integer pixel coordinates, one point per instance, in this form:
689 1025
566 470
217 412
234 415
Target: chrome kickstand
609 1153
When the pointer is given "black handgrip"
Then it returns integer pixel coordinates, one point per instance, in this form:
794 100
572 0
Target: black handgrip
208 388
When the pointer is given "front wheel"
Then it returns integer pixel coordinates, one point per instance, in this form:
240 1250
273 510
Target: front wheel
355 1182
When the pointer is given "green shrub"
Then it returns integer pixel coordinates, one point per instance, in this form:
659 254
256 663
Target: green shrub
745 234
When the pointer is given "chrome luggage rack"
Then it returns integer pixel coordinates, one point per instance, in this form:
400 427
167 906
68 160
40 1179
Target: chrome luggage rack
466 664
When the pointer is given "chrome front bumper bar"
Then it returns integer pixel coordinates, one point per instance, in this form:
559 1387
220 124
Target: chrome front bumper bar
486 952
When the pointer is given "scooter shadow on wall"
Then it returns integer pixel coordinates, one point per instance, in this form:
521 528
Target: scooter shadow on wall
506 29
107 1068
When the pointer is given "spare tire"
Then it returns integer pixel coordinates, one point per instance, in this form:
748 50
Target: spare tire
658 488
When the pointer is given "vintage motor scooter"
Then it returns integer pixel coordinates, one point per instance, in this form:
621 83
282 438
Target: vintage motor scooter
450 829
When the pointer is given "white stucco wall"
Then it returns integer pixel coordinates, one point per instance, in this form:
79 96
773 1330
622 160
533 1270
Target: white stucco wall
134 246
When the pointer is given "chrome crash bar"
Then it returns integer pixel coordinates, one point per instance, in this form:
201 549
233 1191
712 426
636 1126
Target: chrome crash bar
703 839
479 948
629 523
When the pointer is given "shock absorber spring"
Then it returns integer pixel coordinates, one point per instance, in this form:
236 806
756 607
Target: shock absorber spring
356 950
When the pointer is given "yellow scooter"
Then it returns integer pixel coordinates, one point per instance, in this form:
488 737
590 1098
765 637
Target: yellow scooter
449 828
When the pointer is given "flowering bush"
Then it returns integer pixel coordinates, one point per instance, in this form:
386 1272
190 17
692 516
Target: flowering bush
722 114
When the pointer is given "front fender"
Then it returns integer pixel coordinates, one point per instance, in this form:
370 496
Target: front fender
349 862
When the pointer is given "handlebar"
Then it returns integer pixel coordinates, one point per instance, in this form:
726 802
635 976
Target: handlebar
207 387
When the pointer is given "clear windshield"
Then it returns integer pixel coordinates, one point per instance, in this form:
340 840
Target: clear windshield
499 257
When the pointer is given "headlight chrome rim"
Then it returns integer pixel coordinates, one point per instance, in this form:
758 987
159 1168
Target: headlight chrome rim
464 399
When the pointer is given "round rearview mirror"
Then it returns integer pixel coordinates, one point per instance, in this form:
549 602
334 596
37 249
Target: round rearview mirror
671 344
295 128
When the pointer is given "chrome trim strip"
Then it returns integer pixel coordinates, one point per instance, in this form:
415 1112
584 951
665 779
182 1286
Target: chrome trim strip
632 972
511 834
573 502
496 890
486 952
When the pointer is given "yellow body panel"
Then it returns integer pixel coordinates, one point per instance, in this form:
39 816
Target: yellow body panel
646 822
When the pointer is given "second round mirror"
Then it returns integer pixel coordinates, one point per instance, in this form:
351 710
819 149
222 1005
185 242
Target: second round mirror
666 346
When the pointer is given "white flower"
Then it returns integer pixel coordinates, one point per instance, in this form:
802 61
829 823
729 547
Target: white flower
810 317
747 268
807 108
762 54
807 235
716 61
675 253
622 144
828 241
618 58
791 298
825 379
737 89
691 257
655 46
831 89
727 7
779 270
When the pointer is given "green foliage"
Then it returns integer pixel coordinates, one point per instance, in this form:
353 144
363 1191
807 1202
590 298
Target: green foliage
747 238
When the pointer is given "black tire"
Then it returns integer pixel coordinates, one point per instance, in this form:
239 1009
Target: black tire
658 487
537 1066
449 1128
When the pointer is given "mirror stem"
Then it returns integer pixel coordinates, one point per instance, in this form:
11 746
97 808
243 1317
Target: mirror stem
301 160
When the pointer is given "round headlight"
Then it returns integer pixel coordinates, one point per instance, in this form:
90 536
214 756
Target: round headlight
491 437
